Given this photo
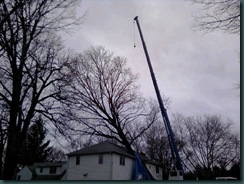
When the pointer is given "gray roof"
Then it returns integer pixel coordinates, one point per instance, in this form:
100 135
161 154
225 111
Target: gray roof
103 147
49 164
108 147
32 168
147 160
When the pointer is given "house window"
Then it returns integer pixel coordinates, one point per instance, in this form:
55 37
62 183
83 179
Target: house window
53 170
122 160
100 159
173 173
157 169
77 160
41 169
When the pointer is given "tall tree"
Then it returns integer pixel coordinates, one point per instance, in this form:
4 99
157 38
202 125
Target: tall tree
30 65
208 143
36 147
221 15
3 136
105 99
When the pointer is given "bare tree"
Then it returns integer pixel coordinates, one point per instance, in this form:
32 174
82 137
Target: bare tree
3 136
37 95
221 15
157 147
57 155
105 99
30 65
208 143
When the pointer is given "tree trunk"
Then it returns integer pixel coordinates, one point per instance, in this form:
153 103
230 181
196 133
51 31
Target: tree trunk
124 140
11 158
1 151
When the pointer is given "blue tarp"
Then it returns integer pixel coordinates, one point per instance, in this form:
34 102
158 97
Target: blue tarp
140 171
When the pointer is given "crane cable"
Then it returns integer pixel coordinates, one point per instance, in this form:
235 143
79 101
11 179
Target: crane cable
134 34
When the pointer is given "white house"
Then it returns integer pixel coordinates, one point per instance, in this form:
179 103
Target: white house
105 161
43 171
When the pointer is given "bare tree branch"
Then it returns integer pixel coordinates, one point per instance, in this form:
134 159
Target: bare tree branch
31 65
221 15
208 143
102 88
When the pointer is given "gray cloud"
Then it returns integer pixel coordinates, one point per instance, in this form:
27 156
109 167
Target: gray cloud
197 71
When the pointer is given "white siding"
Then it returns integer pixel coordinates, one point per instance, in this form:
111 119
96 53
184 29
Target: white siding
152 170
122 172
25 174
89 169
64 177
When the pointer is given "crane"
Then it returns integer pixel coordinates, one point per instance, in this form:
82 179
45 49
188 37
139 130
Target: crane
176 170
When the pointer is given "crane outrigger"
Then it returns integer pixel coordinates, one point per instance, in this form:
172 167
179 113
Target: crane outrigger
176 170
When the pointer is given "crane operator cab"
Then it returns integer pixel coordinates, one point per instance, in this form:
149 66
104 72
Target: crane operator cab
175 175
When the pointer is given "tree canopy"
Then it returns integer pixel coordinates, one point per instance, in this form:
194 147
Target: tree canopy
104 97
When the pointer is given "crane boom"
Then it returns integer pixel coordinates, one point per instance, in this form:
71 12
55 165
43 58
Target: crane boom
174 151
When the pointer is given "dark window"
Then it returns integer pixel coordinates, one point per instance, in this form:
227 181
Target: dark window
53 170
122 160
77 160
157 169
173 173
41 169
100 159
180 173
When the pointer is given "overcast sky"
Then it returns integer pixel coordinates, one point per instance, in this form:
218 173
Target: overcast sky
197 71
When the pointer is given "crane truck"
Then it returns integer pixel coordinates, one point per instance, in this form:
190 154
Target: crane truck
176 169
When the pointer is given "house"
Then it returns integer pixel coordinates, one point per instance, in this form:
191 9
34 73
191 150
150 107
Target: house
106 161
26 173
43 171
103 161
